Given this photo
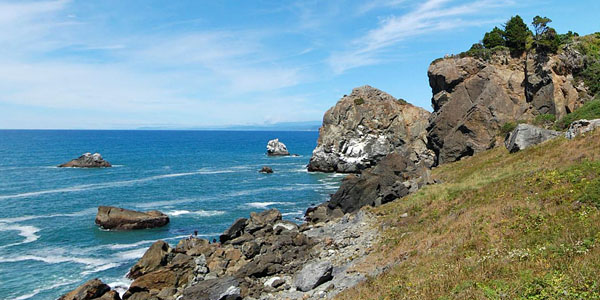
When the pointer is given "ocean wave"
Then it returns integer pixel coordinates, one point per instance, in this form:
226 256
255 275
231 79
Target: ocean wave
46 288
26 231
55 259
293 213
84 212
105 185
266 204
131 254
202 213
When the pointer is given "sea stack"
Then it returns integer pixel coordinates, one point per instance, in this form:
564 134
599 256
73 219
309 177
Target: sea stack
276 148
87 160
367 125
110 217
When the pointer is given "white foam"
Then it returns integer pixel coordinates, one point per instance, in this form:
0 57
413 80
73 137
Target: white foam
202 213
266 204
84 212
132 254
294 213
50 287
56 259
95 186
26 231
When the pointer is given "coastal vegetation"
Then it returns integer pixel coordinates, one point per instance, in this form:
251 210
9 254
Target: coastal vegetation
500 226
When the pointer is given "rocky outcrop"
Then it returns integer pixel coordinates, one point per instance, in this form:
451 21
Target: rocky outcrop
526 135
276 148
364 127
581 126
473 98
266 170
312 275
153 259
110 217
87 160
93 289
393 177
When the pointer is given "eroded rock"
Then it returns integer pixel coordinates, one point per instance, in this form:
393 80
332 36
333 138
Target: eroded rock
87 160
526 135
110 217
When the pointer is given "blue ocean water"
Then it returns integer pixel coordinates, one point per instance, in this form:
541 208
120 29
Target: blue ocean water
203 180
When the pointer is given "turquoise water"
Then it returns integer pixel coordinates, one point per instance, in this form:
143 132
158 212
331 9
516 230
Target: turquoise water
203 180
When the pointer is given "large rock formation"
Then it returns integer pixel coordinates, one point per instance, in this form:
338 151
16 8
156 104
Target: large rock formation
277 148
87 160
94 289
473 98
395 176
110 217
364 127
525 136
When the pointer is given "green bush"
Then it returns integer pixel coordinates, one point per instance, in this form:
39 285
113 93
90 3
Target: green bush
359 101
516 34
494 38
544 120
590 110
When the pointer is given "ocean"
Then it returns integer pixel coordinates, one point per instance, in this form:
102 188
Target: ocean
203 180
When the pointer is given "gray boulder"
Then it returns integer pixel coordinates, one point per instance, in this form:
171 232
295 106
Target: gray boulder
526 135
276 148
87 160
581 126
313 275
110 217
225 288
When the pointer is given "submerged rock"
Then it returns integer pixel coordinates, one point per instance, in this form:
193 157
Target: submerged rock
276 148
581 126
92 289
266 170
526 135
364 127
110 217
87 160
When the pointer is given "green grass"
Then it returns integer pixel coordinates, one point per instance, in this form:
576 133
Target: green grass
500 226
359 101
590 110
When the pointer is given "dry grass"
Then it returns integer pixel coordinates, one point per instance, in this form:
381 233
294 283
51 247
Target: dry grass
501 226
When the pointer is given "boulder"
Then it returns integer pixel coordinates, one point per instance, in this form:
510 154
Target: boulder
235 230
92 289
313 275
225 288
259 220
266 169
526 135
364 127
473 98
154 258
581 126
87 160
110 217
276 148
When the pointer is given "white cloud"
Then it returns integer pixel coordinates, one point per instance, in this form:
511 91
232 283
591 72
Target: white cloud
430 16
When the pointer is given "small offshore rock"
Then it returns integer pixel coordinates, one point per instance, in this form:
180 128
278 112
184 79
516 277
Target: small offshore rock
276 148
110 217
581 126
266 170
526 135
87 160
313 275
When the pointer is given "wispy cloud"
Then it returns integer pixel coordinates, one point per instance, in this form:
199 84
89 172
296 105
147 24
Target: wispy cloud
430 16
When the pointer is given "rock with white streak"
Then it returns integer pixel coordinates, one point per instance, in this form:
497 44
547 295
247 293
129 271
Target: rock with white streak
276 148
581 126
87 160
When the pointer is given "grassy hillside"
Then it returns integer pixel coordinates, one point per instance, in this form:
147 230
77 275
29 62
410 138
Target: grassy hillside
500 226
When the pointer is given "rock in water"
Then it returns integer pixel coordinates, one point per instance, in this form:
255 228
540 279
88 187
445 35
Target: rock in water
92 289
110 217
276 148
87 160
312 275
266 170
364 127
526 135
473 98
581 126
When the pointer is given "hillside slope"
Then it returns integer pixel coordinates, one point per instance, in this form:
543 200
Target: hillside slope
500 226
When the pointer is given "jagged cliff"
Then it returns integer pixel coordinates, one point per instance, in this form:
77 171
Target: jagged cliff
473 97
364 127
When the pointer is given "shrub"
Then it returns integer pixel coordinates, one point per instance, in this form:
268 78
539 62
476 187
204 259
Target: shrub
590 110
401 100
507 128
544 120
494 38
516 34
359 101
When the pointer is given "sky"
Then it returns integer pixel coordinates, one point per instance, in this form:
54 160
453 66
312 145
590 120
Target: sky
116 64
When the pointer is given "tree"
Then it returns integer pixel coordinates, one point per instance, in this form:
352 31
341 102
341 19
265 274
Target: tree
546 39
494 38
516 34
540 25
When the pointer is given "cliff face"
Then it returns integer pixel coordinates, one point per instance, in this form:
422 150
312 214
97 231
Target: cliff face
473 98
365 126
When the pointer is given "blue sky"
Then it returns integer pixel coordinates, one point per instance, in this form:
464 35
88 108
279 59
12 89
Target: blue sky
180 64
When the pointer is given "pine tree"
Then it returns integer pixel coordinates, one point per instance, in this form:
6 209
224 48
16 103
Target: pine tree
516 34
